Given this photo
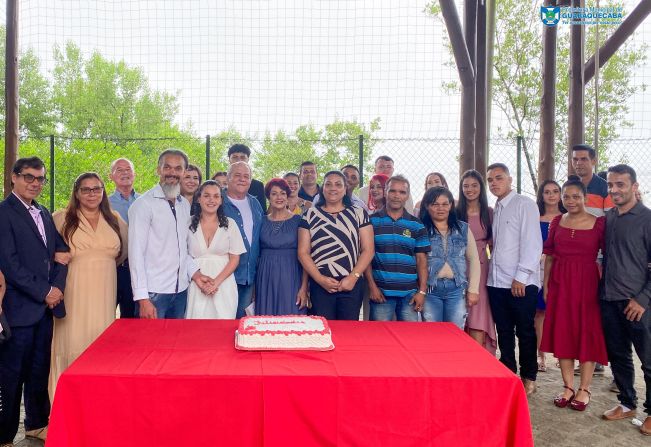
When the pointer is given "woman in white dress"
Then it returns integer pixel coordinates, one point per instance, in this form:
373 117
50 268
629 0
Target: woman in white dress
215 244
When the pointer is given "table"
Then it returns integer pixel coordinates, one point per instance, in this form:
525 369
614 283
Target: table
182 382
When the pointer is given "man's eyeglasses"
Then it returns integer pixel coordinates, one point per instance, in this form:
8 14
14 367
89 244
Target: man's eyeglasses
87 191
29 178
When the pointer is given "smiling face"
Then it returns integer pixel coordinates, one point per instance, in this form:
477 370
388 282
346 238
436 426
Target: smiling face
90 193
471 189
432 181
171 170
239 179
190 182
210 199
28 191
122 174
622 189
352 179
573 199
294 184
334 189
384 167
551 195
376 190
277 198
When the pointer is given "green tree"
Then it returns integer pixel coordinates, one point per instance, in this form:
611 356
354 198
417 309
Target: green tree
517 80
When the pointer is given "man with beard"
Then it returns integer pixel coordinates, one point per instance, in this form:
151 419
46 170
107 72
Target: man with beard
160 265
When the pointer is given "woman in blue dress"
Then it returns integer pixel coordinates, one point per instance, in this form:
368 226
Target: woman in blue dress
281 285
549 204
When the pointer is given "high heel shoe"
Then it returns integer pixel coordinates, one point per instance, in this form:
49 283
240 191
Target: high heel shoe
562 402
577 404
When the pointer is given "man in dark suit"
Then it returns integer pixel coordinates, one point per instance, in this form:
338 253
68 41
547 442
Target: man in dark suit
35 285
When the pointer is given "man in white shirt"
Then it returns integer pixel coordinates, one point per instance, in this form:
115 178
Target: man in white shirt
384 165
246 211
514 273
160 265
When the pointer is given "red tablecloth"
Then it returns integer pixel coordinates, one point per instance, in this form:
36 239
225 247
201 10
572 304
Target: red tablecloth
182 382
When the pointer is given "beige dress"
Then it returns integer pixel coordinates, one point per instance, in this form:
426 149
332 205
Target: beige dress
90 292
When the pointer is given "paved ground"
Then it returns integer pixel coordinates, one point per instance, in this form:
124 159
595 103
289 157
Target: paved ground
555 426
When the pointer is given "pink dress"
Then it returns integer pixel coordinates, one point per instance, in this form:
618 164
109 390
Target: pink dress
480 317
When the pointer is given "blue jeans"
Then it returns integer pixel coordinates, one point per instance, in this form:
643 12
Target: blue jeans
168 305
445 302
393 305
244 298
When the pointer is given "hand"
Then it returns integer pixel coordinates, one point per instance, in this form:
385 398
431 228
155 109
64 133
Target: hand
348 283
517 288
62 257
472 298
302 299
213 286
331 285
418 301
54 297
147 309
205 283
376 295
634 310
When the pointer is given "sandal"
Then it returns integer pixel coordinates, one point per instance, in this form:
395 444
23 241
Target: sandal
542 367
577 404
562 402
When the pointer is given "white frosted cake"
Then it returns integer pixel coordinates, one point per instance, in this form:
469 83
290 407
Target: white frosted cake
287 332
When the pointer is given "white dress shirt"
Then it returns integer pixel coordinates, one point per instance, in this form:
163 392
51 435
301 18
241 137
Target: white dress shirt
517 242
158 250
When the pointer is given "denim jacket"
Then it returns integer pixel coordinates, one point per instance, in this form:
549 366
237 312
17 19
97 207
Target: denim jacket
456 256
245 272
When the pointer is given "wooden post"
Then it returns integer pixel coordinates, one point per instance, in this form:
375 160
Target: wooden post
576 133
490 43
467 78
481 103
623 32
11 93
548 103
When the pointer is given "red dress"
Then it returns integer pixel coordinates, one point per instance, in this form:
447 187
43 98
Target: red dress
572 328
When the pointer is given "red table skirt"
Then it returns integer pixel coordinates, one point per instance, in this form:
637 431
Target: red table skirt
182 382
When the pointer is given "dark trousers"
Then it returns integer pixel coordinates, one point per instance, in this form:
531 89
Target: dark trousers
514 316
125 293
620 334
25 360
339 305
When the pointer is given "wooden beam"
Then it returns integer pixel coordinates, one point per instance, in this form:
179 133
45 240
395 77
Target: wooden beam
481 90
548 103
617 39
576 131
11 93
490 52
467 78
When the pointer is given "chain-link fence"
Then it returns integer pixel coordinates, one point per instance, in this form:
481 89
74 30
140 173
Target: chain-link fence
67 157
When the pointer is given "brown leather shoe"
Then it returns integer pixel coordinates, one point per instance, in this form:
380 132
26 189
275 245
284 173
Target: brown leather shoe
39 433
529 386
617 413
645 429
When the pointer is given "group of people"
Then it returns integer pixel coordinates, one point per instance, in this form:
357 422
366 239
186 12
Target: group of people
232 246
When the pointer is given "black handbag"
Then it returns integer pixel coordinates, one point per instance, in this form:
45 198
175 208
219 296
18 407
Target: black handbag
5 335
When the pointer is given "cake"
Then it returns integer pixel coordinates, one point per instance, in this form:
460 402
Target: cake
286 332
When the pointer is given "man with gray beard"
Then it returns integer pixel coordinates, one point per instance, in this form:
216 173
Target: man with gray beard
161 268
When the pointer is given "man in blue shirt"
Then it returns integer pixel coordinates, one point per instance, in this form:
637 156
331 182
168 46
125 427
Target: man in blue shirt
397 278
246 211
123 174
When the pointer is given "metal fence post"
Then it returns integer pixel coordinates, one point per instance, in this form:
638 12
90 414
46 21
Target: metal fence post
51 173
519 167
361 160
207 157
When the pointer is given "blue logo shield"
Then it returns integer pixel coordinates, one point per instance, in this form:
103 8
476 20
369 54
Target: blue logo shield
550 16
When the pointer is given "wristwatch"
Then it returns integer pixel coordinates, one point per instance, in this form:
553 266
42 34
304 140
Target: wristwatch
422 292
357 275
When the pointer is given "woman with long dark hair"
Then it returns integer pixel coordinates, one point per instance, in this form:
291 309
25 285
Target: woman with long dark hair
97 237
473 208
431 180
550 205
453 263
215 243
335 246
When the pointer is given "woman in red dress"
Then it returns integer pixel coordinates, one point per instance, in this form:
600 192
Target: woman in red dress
572 328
